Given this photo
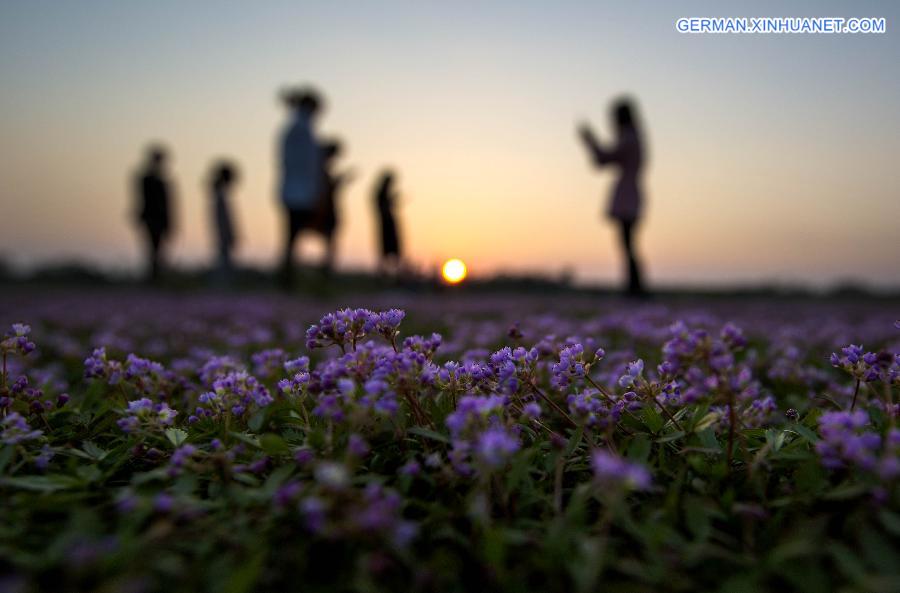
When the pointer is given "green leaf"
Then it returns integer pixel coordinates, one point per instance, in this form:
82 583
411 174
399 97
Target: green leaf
652 418
176 436
428 434
775 438
6 455
707 421
847 562
574 441
708 439
671 437
804 432
697 519
246 438
93 451
890 521
639 449
89 473
50 483
256 420
845 491
245 575
273 444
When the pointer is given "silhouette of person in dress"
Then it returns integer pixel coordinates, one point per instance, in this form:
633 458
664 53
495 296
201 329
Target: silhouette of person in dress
222 180
154 208
625 205
385 202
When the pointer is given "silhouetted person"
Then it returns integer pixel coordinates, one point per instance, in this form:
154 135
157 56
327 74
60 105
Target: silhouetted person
222 180
154 208
625 203
301 172
385 200
332 183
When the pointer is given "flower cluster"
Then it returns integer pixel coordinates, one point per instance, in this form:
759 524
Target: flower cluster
145 414
480 434
867 367
333 510
347 327
16 340
848 440
235 394
573 365
14 430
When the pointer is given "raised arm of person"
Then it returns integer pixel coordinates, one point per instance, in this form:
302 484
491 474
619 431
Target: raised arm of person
600 155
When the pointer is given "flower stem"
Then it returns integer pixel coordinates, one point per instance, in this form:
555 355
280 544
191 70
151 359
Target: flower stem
855 393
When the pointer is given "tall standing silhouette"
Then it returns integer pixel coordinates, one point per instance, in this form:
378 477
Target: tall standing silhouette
153 193
385 201
301 172
222 180
625 204
332 183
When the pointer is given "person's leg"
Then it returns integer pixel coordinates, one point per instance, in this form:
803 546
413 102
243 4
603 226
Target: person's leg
224 269
635 286
293 229
154 244
330 252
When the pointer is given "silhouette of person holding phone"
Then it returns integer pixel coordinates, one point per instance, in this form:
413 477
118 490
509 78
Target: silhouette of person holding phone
625 204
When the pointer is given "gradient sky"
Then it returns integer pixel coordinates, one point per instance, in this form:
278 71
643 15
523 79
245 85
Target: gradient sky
773 158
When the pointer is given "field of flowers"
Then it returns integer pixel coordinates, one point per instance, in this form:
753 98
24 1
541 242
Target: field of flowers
253 442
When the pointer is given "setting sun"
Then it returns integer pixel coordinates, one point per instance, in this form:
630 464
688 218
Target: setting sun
454 271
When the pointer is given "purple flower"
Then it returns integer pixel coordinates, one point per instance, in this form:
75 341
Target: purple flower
180 458
234 394
42 461
495 446
611 471
314 511
570 368
345 327
410 468
633 370
16 340
531 410
845 440
15 430
163 502
866 366
357 446
287 493
144 413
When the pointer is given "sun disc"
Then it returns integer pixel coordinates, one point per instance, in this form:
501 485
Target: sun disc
454 271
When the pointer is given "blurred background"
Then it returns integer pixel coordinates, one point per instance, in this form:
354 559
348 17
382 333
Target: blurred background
772 158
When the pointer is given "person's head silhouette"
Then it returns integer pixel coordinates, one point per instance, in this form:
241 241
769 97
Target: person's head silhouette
156 157
224 174
624 115
304 100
